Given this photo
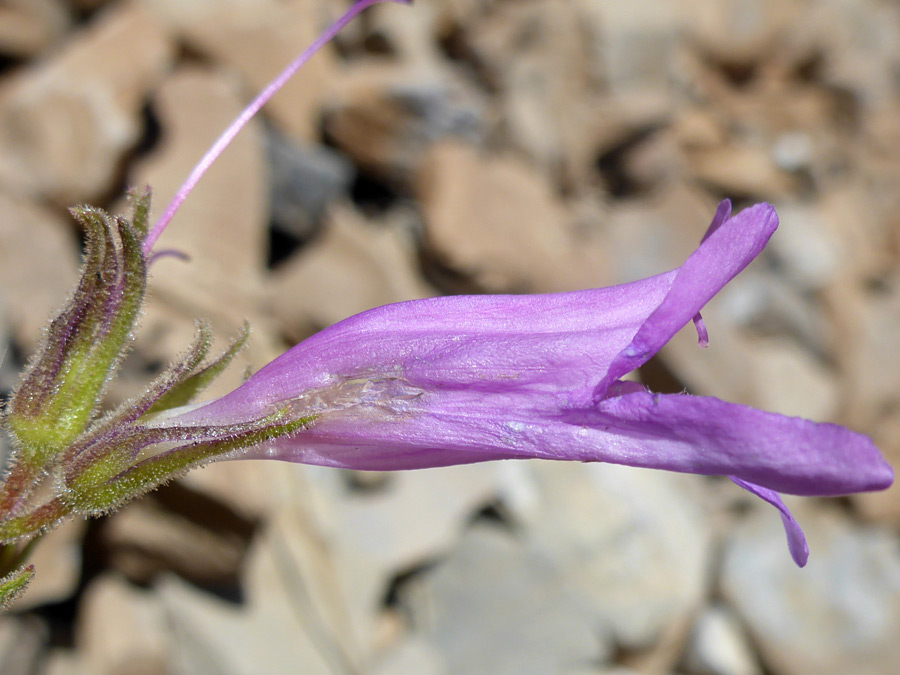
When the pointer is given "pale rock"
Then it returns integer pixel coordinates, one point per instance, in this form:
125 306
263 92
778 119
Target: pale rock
30 27
726 369
257 39
618 134
739 30
699 128
38 266
883 506
200 540
744 169
869 349
343 546
790 381
461 14
808 249
57 561
354 265
550 90
656 233
61 661
376 535
66 123
408 36
420 515
122 629
87 5
862 224
244 487
718 645
635 543
21 642
860 52
645 163
385 118
765 303
838 615
775 372
634 43
278 628
793 151
414 655
305 180
497 221
494 606
222 226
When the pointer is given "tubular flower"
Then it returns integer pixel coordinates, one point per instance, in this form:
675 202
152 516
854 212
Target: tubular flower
465 379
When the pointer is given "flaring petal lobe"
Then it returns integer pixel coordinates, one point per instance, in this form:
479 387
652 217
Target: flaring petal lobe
729 246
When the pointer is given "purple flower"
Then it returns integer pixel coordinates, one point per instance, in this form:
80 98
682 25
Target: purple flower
464 379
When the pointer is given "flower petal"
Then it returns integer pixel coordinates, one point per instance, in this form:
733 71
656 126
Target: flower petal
553 347
704 435
728 247
795 538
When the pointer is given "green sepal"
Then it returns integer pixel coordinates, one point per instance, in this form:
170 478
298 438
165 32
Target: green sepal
64 381
14 584
186 390
140 211
106 483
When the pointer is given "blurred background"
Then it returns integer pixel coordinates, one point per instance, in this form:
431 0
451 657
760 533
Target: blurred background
469 146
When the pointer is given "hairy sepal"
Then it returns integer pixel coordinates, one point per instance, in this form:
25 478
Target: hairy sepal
14 584
64 381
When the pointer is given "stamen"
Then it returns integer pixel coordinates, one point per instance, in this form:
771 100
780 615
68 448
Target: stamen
248 113
702 333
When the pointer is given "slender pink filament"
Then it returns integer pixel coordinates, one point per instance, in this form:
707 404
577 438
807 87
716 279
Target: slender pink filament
248 113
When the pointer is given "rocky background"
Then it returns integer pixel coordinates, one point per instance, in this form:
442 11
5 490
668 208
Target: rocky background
470 146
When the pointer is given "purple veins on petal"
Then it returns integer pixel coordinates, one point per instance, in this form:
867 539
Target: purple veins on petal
464 379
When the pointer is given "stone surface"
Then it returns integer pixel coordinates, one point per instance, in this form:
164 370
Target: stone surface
541 114
30 27
635 543
21 641
420 515
38 266
122 629
65 126
257 39
745 169
413 656
840 614
376 535
58 562
619 126
222 227
305 179
478 611
497 221
719 647
633 43
352 266
277 628
202 541
884 507
385 121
